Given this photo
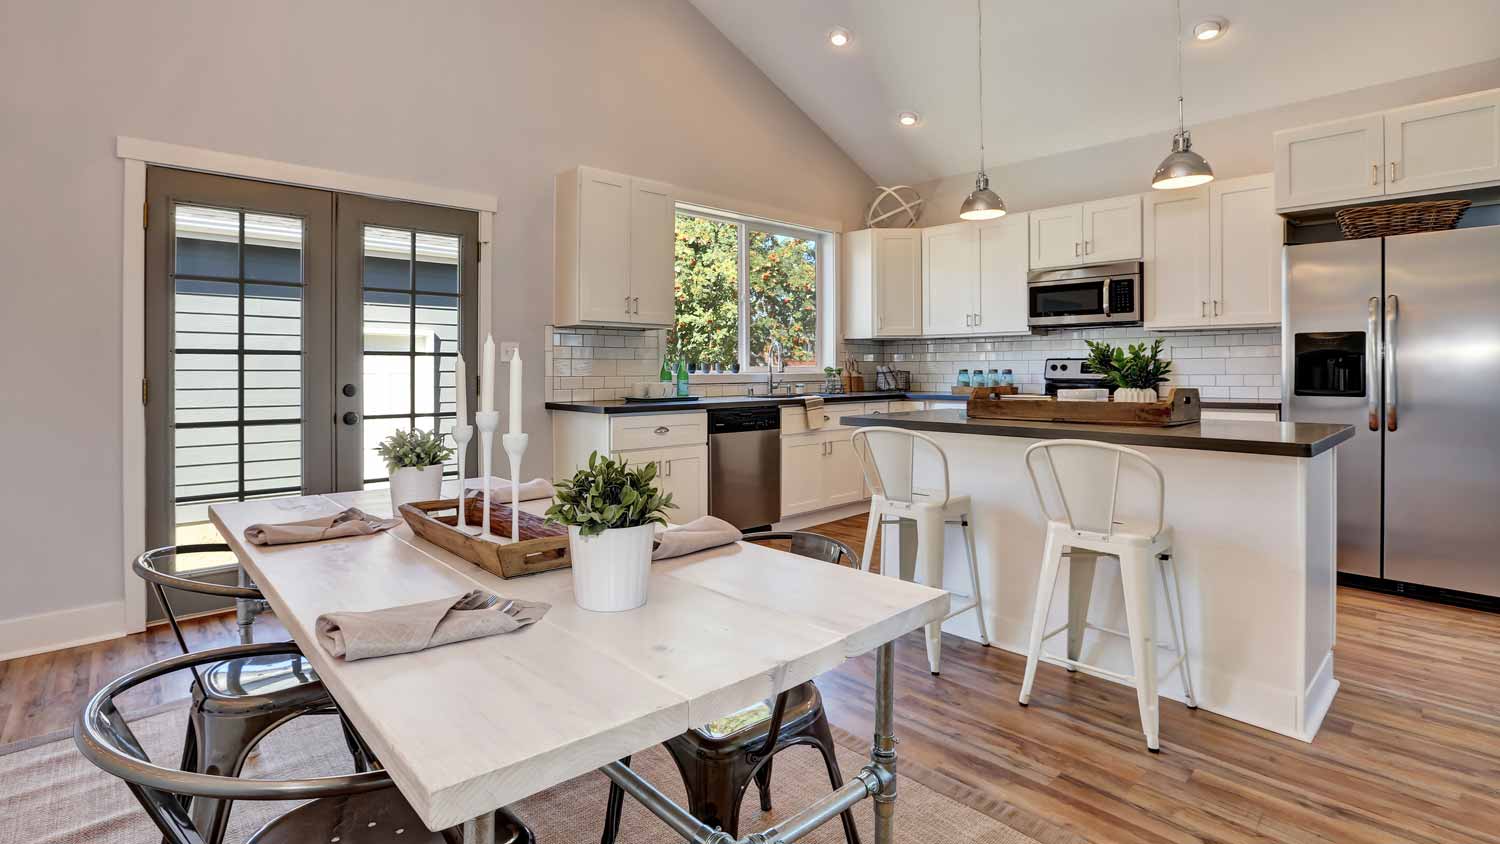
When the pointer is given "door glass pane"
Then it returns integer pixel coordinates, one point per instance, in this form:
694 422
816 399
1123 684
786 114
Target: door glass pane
411 340
706 291
782 295
236 365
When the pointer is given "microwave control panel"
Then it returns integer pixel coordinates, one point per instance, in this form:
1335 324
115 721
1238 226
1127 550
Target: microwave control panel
1121 296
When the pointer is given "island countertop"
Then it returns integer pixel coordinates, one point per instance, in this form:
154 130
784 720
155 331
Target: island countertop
1282 439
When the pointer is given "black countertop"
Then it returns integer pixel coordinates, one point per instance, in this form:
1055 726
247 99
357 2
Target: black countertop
722 402
1282 439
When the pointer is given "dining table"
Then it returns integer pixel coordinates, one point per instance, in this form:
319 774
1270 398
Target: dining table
468 729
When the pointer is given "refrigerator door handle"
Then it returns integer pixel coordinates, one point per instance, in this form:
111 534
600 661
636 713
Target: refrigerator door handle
1372 364
1392 315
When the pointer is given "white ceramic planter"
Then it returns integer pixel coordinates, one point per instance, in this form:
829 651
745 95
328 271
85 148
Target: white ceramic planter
410 484
1135 394
611 569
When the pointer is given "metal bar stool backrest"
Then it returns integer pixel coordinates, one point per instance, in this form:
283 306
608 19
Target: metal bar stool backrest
814 545
1079 482
105 739
888 457
149 568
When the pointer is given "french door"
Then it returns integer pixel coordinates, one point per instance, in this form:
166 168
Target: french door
288 331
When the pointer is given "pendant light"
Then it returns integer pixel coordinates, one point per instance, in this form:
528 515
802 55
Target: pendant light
1182 168
982 203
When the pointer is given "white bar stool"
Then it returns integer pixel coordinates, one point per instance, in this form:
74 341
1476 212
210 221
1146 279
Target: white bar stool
1086 481
888 458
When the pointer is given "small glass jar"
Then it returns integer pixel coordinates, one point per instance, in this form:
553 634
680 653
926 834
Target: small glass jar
994 379
963 378
1007 378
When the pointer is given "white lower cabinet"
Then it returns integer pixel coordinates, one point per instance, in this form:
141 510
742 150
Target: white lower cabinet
818 470
676 442
682 472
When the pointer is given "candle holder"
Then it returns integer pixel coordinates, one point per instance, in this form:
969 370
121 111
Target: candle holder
488 422
515 447
461 436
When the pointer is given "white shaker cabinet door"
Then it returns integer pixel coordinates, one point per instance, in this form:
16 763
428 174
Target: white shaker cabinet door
802 465
603 252
843 480
653 239
898 283
1057 237
681 471
1177 258
1112 230
950 272
1330 162
1443 144
1246 240
1003 260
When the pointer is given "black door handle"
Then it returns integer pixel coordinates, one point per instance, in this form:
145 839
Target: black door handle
350 390
351 418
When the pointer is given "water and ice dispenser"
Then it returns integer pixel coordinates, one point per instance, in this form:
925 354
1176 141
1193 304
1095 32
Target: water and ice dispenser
1329 363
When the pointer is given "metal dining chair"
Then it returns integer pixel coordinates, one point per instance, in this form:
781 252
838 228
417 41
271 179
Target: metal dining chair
361 808
239 699
718 761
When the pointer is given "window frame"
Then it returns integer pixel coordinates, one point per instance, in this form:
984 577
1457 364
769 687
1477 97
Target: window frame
825 340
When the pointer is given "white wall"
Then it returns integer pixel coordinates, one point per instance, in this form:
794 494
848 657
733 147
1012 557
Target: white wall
493 97
1235 146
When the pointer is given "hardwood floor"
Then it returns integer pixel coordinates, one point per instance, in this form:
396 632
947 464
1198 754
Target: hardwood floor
1409 753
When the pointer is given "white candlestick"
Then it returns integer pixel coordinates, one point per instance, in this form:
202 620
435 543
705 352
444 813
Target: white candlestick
515 447
487 376
461 392
487 422
461 435
515 392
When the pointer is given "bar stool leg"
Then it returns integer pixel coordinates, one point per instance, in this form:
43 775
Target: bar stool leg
968 529
872 531
1173 591
1080 591
930 531
1045 586
1140 615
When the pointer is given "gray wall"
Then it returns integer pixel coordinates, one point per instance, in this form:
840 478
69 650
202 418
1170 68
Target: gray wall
495 97
1236 146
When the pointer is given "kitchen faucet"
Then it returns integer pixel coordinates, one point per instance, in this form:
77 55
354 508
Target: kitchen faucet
775 360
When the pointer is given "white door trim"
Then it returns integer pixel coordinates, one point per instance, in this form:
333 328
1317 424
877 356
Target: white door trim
136 154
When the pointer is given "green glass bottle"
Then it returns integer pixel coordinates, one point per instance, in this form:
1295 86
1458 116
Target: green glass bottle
666 370
682 378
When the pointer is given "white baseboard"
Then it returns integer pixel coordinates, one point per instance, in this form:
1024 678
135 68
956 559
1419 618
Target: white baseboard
50 631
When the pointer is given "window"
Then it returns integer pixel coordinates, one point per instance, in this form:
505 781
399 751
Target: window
744 288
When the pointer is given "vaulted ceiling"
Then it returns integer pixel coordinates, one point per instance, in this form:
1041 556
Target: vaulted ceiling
1069 74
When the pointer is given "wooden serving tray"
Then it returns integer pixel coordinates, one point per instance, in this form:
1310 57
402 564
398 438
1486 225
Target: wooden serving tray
543 547
971 392
1180 407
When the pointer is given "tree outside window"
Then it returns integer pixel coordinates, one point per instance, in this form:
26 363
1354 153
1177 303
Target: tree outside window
730 307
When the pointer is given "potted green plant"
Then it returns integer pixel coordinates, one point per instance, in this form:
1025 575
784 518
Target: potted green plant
611 511
1133 371
415 459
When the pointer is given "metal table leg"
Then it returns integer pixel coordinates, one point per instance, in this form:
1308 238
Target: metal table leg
883 750
244 612
498 827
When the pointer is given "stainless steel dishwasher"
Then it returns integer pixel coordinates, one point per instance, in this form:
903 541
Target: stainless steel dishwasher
744 465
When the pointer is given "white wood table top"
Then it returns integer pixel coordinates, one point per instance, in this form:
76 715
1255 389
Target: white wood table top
467 728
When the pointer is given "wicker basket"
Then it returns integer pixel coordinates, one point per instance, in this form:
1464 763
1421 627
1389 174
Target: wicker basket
1406 218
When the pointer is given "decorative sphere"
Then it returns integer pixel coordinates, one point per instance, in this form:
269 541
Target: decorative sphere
898 207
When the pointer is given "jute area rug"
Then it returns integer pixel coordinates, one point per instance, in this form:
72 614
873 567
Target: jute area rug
49 794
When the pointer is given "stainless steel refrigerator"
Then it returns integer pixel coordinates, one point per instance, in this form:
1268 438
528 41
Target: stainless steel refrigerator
1400 337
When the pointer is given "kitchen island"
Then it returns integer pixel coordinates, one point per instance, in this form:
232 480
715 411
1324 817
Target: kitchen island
1252 508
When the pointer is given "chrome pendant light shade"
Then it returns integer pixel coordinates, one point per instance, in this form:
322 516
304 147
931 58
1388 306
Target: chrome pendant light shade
982 203
1182 168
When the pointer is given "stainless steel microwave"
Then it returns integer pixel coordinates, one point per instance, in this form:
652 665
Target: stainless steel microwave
1105 294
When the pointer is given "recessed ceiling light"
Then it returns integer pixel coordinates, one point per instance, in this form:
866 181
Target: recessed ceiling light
840 37
1210 29
908 118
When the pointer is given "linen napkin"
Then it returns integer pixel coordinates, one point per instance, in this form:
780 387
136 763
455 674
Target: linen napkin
532 490
417 627
351 522
702 532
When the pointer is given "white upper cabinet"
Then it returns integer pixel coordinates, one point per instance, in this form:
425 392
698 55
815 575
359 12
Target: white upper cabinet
613 249
1177 258
882 283
1213 255
1112 230
1443 144
1098 232
1246 236
1056 237
950 274
1000 306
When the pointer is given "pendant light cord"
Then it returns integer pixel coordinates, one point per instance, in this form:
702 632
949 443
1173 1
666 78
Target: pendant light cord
1181 126
979 8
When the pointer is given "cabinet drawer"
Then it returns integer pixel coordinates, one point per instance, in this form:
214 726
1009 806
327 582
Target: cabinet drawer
657 430
1255 414
794 418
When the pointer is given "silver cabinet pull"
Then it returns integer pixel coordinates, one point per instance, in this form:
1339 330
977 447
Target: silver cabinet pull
1087 247
1077 249
627 304
1372 364
968 320
661 429
1393 171
669 468
638 305
978 319
1203 308
1375 173
1392 317
1216 307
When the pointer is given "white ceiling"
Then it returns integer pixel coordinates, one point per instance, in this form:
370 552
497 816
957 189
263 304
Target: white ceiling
1069 74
